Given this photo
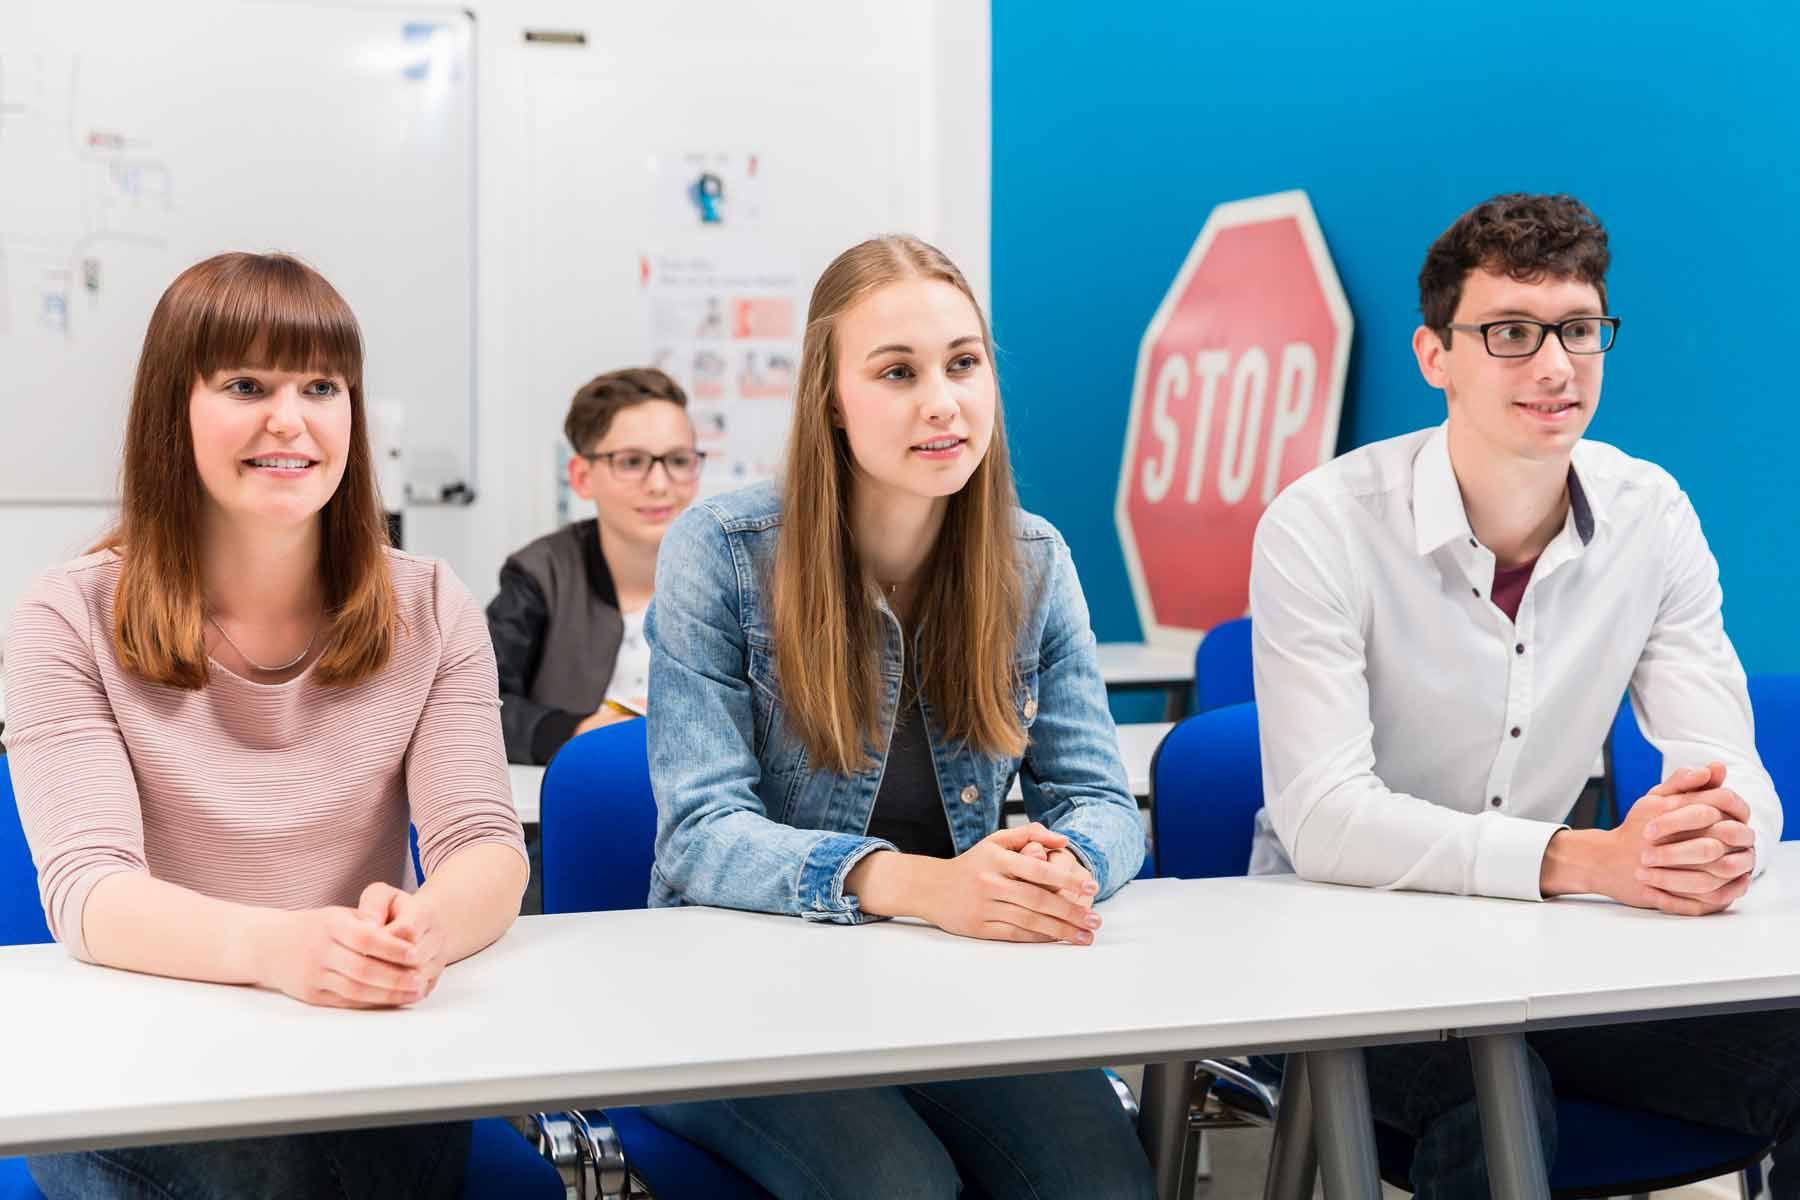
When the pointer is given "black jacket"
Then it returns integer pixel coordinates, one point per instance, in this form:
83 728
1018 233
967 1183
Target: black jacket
556 627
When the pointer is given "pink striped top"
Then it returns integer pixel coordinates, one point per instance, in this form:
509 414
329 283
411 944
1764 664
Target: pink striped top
289 795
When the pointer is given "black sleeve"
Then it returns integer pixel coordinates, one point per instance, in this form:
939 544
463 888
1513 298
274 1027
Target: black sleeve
516 621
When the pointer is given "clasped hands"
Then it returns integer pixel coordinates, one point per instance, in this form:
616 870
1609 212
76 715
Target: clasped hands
1686 848
1015 885
386 952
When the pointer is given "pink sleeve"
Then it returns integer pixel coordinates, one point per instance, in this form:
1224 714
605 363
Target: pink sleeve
456 779
78 800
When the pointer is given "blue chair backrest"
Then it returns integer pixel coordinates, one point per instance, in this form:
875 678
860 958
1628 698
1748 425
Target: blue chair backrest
1636 766
1222 672
1205 788
1775 701
597 818
21 915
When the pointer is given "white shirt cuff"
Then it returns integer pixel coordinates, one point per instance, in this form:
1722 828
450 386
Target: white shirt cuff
1509 861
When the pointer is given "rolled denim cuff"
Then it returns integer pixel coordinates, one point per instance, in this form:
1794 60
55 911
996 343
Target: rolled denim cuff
823 873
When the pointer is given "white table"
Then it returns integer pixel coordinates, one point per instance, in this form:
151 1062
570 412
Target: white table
668 1004
527 782
1587 961
1144 666
1181 970
1137 745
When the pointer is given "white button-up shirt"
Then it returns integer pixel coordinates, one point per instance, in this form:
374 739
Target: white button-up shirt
1415 737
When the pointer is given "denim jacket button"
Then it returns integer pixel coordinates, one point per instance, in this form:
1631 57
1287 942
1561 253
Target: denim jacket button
1030 709
970 794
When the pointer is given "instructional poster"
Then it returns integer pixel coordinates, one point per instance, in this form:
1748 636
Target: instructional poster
725 314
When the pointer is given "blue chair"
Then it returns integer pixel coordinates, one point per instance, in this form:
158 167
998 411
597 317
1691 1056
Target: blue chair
1222 670
1774 699
501 1163
597 818
21 924
1205 831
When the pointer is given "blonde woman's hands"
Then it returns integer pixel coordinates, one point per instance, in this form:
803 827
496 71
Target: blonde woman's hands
1066 860
1015 885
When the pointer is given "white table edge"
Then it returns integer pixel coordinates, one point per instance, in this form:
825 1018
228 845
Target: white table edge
372 1107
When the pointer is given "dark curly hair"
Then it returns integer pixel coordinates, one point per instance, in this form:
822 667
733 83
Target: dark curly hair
599 400
1521 235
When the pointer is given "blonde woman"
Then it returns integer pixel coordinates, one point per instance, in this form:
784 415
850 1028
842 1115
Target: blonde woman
847 672
222 723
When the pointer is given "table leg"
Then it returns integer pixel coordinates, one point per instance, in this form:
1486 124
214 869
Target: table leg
1163 1121
1294 1157
1345 1124
1509 1131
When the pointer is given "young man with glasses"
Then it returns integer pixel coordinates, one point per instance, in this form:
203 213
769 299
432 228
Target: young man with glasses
1444 624
568 624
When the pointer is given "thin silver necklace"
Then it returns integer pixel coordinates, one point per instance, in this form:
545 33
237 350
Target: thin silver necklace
286 666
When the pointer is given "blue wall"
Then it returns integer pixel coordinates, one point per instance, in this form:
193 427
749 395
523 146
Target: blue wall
1117 127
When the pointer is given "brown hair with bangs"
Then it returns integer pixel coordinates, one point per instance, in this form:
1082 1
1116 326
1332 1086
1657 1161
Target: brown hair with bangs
826 625
240 310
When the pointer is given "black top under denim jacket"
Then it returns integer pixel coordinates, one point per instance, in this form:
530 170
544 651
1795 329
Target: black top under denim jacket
909 808
556 628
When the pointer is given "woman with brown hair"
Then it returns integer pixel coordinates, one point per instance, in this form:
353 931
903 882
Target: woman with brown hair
221 723
847 673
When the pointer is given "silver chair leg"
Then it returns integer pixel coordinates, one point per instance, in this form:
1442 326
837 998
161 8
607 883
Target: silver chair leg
1294 1158
611 1175
1509 1131
560 1143
1163 1123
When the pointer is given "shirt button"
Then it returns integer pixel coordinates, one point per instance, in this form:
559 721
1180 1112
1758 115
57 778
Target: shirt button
1473 542
1030 709
1519 649
1495 802
970 794
1475 592
1515 731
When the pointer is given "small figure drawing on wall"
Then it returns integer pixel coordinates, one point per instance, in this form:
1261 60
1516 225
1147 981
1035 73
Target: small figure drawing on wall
707 193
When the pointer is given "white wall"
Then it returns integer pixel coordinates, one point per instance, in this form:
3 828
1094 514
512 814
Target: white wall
933 55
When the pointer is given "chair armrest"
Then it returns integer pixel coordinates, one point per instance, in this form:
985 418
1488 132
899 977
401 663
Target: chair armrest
1219 1069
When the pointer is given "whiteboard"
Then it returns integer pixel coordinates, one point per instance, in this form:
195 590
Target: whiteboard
133 144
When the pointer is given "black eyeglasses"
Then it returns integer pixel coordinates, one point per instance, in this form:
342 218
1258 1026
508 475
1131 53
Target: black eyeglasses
1519 338
683 466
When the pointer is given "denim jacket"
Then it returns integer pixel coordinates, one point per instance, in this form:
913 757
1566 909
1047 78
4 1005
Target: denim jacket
745 821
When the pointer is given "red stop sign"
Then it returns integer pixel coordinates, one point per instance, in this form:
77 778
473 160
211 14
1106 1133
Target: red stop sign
1240 383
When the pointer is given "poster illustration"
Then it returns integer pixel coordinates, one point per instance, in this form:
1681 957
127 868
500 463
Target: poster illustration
724 312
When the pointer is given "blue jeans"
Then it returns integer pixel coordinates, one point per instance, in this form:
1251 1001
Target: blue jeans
1738 1072
424 1161
1031 1137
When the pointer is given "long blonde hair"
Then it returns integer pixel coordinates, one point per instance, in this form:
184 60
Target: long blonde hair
969 608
